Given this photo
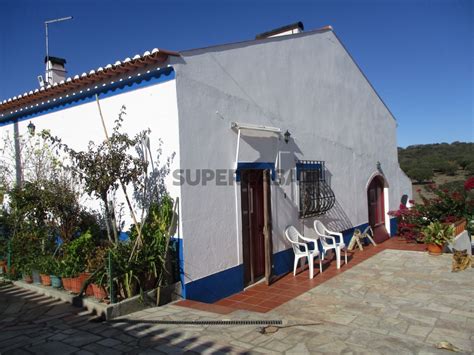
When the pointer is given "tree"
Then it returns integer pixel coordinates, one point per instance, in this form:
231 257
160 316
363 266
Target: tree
464 162
449 168
420 174
104 167
470 168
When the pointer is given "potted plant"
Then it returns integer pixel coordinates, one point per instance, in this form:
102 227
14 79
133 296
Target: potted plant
76 255
70 274
83 277
95 265
45 279
55 271
99 281
26 273
45 266
437 235
99 292
3 253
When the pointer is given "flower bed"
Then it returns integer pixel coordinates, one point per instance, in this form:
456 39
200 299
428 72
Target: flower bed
448 206
53 234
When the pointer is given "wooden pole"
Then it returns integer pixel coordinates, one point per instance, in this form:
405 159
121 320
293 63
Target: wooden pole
166 257
127 199
16 137
111 279
267 227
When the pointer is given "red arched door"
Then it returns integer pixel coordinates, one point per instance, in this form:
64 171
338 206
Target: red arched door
376 206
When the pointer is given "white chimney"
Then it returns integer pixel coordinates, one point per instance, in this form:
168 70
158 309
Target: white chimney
55 70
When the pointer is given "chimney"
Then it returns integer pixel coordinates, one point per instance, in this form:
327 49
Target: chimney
293 28
55 70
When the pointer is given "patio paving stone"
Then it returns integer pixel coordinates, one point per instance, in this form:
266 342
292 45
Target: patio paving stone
393 302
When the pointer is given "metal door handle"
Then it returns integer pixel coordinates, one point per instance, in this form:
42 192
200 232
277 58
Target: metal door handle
251 200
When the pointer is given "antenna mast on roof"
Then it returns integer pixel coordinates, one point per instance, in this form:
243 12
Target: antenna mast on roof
46 23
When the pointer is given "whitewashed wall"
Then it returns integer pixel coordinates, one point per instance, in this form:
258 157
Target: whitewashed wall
307 84
151 107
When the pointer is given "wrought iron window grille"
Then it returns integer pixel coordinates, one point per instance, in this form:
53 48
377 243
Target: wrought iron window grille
315 195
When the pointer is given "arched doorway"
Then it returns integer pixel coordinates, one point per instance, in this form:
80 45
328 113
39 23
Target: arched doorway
376 208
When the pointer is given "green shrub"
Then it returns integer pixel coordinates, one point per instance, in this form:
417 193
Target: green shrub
48 265
76 254
438 233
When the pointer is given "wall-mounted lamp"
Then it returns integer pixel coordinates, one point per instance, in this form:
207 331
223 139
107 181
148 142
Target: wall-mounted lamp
287 136
31 128
379 166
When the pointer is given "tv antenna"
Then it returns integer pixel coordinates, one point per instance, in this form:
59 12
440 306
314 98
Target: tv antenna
46 23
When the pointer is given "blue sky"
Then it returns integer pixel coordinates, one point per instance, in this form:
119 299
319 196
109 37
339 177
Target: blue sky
418 54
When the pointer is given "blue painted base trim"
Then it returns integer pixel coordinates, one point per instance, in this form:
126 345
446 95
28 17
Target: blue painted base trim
283 261
393 226
217 286
176 245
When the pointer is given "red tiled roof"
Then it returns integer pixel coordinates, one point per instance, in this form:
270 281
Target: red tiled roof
86 79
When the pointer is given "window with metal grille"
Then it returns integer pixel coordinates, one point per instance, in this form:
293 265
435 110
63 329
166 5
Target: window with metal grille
315 195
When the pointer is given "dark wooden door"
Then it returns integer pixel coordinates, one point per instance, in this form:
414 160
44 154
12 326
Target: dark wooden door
252 225
376 208
376 203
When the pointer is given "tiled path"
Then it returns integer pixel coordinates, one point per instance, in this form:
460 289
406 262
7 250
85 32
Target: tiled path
35 324
397 302
262 298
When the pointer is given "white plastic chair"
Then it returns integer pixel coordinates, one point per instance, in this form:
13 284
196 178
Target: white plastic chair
328 241
297 242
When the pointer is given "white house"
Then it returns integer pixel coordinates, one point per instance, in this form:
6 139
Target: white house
290 107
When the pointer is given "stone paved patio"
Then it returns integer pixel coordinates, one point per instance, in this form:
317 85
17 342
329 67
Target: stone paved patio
395 302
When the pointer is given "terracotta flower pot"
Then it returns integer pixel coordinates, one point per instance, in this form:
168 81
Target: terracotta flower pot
27 278
45 280
76 284
67 283
435 249
99 292
459 226
84 276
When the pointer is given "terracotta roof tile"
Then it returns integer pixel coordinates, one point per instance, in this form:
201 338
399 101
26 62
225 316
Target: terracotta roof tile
86 79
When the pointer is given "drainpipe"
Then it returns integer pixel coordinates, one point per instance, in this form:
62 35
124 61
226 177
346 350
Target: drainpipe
16 136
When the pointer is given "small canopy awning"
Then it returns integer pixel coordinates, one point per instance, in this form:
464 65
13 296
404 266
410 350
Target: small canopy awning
256 143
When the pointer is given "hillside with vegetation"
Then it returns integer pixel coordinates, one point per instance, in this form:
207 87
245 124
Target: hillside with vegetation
444 164
421 162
